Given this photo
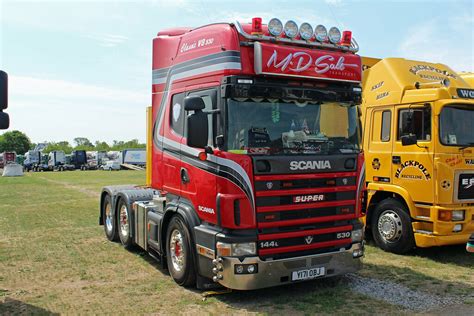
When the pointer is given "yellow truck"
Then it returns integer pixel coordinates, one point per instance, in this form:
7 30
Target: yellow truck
418 141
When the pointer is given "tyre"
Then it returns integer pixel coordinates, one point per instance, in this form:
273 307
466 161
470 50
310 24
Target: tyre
110 224
179 257
391 227
124 224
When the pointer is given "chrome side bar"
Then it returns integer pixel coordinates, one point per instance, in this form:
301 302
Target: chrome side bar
353 48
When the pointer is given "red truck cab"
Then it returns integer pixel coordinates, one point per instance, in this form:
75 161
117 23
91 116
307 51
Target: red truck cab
257 175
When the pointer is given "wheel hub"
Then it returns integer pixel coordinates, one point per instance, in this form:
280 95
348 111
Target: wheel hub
108 217
176 250
124 228
390 226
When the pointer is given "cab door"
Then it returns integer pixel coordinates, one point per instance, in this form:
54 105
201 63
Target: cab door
378 139
198 178
413 165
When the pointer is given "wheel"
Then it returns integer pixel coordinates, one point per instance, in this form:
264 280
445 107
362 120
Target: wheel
110 225
61 169
178 253
391 227
124 225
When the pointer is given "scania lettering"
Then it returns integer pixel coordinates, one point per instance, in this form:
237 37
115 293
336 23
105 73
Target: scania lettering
254 167
419 142
303 165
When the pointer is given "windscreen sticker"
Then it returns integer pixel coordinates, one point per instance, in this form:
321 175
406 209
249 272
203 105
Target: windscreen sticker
176 112
409 165
470 162
453 161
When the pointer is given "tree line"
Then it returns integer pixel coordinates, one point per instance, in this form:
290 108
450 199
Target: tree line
20 143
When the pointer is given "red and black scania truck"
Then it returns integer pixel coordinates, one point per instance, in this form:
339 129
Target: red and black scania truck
255 172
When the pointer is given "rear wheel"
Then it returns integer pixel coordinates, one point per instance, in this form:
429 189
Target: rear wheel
391 227
110 224
124 224
178 252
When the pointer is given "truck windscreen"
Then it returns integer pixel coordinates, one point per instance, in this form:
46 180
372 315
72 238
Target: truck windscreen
275 126
456 125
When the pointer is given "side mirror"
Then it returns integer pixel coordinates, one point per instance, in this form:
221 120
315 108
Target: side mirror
408 140
197 133
194 103
4 120
3 90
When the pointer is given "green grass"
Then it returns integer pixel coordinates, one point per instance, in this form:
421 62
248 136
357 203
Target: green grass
55 258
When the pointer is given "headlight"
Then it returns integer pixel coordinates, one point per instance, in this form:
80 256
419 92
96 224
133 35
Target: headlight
306 31
275 27
236 250
458 216
334 35
291 29
357 235
320 33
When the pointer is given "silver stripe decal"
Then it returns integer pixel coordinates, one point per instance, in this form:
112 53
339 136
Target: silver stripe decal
359 185
217 160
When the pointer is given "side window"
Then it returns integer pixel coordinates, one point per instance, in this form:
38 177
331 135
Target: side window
415 121
386 126
177 116
210 99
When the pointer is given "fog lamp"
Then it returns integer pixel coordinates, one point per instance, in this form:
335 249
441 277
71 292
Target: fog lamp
321 33
334 35
245 268
357 235
457 228
291 29
275 27
306 31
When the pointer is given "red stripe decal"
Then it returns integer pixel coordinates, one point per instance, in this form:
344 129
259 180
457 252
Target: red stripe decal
305 233
306 191
305 176
324 244
302 206
307 221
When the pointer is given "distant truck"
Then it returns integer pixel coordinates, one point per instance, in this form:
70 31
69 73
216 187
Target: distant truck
32 159
133 157
95 159
7 157
79 159
57 161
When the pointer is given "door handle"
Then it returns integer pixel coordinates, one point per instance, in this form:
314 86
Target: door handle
184 175
396 160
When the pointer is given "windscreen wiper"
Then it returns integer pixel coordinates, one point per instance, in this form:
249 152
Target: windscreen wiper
466 146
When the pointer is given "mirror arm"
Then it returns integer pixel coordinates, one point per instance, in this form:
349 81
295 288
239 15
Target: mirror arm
217 111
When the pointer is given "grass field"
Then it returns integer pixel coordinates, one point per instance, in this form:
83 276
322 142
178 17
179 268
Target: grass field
54 258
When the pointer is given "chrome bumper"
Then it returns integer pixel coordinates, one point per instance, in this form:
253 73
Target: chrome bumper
278 272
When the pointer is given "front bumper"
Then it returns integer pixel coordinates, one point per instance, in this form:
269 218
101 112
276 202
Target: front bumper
278 272
434 232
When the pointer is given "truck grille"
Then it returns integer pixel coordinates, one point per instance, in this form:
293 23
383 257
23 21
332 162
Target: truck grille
304 213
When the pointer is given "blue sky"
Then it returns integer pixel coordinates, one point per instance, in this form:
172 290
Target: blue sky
83 68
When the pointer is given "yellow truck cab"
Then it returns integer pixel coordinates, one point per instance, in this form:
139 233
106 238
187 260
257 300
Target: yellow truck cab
418 141
468 77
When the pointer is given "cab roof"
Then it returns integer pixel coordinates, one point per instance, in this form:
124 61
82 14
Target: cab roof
398 81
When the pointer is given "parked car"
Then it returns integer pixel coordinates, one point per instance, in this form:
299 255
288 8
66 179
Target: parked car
111 165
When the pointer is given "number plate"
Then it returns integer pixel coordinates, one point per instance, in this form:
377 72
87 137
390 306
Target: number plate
308 274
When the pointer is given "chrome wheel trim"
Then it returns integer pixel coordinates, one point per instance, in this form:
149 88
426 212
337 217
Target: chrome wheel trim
176 250
108 217
390 226
124 227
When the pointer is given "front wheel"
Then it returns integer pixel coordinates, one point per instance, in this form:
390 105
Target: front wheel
178 252
124 224
391 227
